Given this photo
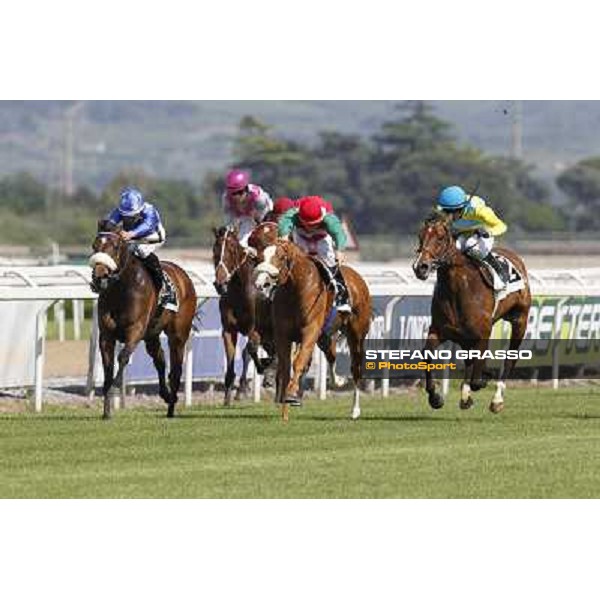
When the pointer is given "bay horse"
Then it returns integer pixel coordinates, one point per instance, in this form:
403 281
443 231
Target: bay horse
128 311
240 309
301 304
464 307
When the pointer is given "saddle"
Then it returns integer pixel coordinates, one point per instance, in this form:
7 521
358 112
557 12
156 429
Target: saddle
164 301
326 274
332 323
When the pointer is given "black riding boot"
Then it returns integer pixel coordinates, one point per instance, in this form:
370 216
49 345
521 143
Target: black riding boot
342 298
498 266
153 265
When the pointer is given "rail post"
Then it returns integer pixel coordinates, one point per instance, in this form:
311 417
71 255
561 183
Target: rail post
189 369
387 331
40 342
90 387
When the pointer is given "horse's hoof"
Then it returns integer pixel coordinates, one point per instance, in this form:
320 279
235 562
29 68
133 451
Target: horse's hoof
466 404
171 411
496 407
293 401
355 413
436 400
268 381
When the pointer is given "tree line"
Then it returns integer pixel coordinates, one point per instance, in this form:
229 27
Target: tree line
385 183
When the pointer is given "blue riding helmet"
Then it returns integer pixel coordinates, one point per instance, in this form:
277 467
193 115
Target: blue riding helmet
452 198
132 202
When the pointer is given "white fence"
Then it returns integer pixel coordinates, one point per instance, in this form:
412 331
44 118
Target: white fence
26 294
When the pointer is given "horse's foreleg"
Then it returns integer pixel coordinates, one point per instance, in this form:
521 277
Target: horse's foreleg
477 380
436 400
302 359
229 341
269 364
250 352
176 354
284 351
154 349
466 399
107 351
123 360
517 333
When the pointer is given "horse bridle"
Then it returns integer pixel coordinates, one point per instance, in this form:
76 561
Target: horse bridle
289 268
248 252
116 274
444 258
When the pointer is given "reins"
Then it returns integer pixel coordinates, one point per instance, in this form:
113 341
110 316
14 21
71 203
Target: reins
248 252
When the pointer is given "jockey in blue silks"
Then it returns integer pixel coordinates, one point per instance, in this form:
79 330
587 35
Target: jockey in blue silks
144 231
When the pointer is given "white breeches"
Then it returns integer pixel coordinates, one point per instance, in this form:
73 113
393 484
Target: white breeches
245 225
475 246
146 246
323 248
144 250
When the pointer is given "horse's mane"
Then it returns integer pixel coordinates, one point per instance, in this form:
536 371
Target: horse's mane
224 229
435 217
291 249
107 226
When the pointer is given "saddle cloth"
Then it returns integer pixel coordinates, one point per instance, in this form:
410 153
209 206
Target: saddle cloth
516 281
162 300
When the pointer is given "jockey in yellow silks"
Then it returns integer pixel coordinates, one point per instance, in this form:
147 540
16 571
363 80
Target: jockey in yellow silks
474 225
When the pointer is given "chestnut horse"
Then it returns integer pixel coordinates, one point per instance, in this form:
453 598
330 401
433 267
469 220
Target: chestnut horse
265 235
464 307
301 305
128 312
241 311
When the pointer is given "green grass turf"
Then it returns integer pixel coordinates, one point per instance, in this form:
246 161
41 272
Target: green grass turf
545 444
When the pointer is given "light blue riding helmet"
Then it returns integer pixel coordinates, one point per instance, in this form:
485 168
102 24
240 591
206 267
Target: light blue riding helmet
452 198
132 202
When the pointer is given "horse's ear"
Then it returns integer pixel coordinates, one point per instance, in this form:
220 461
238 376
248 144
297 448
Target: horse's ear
235 229
215 232
107 225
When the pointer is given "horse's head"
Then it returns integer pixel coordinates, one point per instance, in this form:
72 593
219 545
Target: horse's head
274 268
262 236
435 245
109 257
228 255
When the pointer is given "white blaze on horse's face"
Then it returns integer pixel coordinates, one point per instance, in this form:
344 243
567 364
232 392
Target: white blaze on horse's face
266 273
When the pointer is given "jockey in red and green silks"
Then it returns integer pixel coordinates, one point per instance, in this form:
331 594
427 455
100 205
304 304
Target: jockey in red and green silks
319 233
474 225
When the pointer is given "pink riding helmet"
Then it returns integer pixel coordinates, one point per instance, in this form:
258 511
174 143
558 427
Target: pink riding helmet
236 180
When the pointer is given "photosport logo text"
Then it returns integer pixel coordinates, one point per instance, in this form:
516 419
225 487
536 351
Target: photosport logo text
394 362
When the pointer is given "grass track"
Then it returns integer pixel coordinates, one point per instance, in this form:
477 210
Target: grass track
545 444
